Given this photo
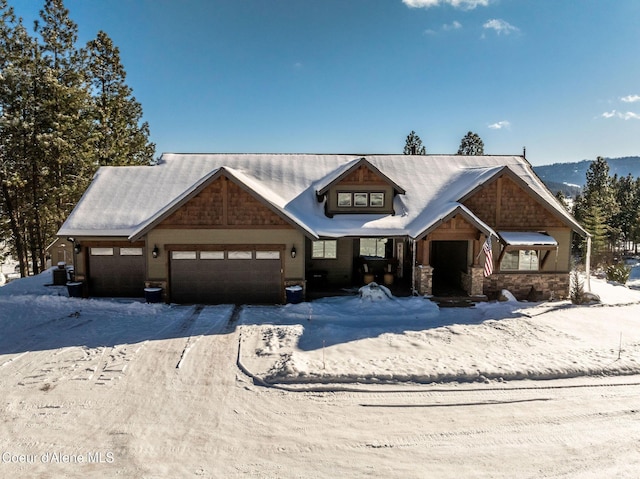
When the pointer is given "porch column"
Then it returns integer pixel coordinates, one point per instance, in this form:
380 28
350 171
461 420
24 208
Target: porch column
477 281
424 279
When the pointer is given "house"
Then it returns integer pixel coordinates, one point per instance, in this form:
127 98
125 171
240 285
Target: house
59 251
225 228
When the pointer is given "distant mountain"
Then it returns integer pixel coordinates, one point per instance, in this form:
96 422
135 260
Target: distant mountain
575 174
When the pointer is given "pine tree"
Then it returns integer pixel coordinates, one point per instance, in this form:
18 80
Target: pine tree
471 144
626 217
562 199
17 108
59 144
49 126
599 193
121 137
634 235
594 222
413 145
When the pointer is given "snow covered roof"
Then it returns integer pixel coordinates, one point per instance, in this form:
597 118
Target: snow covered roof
526 238
128 201
347 168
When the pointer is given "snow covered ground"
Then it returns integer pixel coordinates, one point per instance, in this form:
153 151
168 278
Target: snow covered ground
339 387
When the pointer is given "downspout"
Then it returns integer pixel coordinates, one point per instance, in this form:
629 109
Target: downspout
587 263
413 266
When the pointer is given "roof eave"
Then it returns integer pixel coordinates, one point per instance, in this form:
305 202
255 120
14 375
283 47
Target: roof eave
357 164
162 214
567 219
462 210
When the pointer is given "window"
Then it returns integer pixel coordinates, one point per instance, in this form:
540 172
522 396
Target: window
376 200
324 249
239 255
520 260
177 255
375 247
344 200
360 199
211 254
267 254
130 251
101 251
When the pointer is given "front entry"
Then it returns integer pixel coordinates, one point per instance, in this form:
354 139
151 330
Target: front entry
449 261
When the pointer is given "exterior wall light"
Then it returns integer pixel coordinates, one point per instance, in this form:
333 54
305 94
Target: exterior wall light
293 252
155 252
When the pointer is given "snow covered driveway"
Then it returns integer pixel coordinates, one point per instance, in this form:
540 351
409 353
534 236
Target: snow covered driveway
122 389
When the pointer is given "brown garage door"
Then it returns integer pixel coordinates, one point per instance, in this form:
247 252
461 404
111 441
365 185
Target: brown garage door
219 277
116 272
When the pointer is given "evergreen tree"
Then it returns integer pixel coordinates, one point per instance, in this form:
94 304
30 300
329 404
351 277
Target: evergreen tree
52 137
121 137
471 144
626 217
594 222
413 145
17 108
599 192
58 145
562 199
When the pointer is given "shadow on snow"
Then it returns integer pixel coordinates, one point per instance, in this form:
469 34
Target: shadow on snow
330 321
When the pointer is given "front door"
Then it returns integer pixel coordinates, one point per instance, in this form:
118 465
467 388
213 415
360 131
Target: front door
449 261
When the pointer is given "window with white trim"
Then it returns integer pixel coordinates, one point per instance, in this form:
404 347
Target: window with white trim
376 200
360 199
344 199
374 247
520 260
324 249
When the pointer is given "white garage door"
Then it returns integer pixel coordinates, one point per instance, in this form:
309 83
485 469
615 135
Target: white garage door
218 277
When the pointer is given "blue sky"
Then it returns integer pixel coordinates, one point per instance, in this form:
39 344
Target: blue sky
356 76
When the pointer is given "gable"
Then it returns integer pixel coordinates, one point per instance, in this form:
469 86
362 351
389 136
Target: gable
362 176
455 228
360 189
502 203
360 172
223 204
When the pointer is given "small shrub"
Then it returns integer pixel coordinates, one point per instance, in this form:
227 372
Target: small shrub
619 273
577 288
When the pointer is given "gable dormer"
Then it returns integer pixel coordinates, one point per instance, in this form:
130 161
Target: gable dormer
360 188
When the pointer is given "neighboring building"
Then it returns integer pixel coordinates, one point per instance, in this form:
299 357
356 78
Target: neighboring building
59 251
227 228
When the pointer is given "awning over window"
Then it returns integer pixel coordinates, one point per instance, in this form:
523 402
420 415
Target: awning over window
528 240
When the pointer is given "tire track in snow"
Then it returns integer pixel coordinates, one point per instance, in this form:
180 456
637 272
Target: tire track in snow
561 429
209 326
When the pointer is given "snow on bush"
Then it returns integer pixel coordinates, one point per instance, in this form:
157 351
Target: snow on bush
375 292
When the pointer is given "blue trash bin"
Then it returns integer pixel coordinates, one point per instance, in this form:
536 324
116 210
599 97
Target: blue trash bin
153 295
294 294
74 289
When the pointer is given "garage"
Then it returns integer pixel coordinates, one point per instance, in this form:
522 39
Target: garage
116 271
242 275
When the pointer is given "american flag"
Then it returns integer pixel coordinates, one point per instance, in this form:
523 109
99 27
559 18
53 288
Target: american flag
488 257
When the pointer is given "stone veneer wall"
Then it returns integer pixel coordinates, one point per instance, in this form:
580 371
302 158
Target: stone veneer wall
424 279
545 285
472 282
